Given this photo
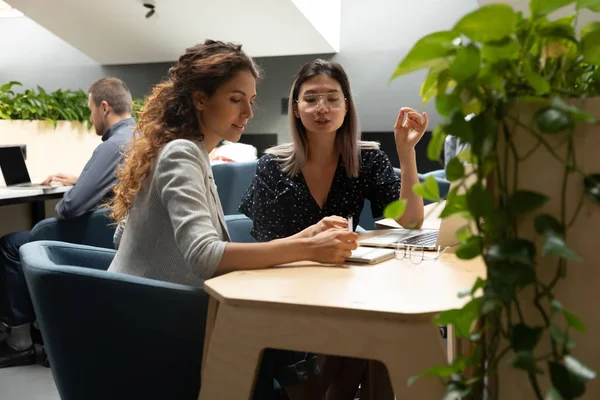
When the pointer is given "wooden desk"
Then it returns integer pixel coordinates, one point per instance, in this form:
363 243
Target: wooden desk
35 197
381 312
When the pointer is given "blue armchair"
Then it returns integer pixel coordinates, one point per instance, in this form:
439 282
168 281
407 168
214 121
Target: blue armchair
92 229
232 180
112 336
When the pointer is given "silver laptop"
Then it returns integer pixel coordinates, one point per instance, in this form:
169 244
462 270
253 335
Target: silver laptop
427 239
14 170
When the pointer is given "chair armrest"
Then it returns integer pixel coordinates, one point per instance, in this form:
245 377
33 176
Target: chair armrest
67 254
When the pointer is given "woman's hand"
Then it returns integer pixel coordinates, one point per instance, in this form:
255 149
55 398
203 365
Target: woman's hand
332 246
408 133
331 222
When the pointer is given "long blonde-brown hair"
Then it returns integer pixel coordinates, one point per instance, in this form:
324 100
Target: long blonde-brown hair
347 141
169 112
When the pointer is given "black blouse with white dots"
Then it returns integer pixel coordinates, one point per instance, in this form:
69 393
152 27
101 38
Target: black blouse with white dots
281 205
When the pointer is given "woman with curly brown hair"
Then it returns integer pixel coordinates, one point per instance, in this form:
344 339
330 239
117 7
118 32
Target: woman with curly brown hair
176 230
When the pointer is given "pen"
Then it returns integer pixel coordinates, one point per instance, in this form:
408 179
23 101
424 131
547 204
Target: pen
350 225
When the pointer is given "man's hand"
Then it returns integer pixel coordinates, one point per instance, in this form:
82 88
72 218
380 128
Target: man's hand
64 179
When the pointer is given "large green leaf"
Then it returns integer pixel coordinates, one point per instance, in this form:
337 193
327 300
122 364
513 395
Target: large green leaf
590 45
427 52
459 128
454 170
593 5
465 64
551 120
506 49
568 384
525 338
488 23
445 104
428 189
592 26
579 369
525 201
526 361
463 319
574 321
455 203
536 81
539 8
480 201
429 88
470 249
556 246
572 111
436 144
546 224
512 251
395 210
554 394
443 370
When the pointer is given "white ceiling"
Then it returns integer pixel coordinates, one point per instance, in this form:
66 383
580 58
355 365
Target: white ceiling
117 32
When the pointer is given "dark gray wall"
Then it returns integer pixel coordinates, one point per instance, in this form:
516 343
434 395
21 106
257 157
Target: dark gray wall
375 36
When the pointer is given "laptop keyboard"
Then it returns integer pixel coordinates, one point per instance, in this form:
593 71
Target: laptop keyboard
424 239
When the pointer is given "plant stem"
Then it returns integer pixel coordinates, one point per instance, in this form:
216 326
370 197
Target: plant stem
545 144
519 311
536 386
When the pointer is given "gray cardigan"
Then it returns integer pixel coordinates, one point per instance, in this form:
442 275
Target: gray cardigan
175 230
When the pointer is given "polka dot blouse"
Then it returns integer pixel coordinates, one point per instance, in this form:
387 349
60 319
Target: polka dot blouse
281 205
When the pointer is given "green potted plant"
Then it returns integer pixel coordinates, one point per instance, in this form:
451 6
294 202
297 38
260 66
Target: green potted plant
39 105
521 91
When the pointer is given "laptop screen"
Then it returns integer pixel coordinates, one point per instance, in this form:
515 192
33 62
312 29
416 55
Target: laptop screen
13 166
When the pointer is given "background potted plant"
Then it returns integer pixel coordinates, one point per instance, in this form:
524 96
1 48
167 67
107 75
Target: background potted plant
50 124
521 91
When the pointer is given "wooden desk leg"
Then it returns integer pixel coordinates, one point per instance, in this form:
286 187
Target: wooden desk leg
211 317
376 385
232 360
241 333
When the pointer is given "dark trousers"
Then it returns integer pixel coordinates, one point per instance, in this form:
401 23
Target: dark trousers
15 304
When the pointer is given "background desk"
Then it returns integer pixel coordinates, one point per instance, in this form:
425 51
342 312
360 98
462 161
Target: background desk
381 312
35 197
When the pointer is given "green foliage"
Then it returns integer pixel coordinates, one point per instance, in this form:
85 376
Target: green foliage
481 73
37 104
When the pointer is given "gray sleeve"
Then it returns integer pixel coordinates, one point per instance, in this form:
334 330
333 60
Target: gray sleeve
119 233
93 185
180 178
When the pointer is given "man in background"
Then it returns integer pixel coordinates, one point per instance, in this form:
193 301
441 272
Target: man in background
110 103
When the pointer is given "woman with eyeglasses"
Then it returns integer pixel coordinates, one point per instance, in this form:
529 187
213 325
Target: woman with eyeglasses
326 174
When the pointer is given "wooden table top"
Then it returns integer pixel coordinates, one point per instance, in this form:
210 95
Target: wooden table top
395 287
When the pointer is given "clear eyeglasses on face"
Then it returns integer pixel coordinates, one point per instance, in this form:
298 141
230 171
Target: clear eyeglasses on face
417 254
311 102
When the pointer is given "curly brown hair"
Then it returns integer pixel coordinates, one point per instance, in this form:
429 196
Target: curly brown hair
169 112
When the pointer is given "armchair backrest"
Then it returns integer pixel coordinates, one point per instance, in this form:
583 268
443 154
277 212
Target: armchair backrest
232 180
93 229
113 336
